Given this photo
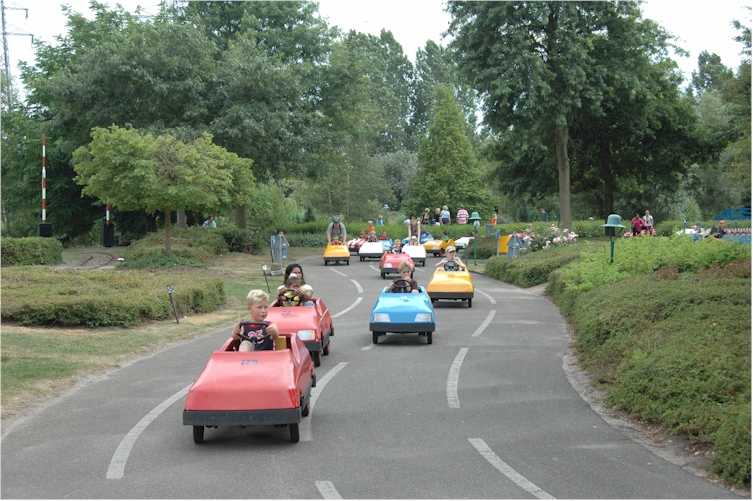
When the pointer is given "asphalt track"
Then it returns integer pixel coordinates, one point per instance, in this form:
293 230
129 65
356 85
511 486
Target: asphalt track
485 412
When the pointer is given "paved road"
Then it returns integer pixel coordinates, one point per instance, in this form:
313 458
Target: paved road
486 411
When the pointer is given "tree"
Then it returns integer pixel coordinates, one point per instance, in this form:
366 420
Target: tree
531 61
448 173
711 74
113 69
435 65
135 170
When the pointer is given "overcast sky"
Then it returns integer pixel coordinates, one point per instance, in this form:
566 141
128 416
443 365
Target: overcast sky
700 25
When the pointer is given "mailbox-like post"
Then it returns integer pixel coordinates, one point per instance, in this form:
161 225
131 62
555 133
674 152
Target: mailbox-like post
614 229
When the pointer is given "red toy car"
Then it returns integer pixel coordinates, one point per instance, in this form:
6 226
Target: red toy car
389 263
252 388
355 244
312 324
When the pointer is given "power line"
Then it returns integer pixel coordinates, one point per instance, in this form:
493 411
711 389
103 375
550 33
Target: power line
3 8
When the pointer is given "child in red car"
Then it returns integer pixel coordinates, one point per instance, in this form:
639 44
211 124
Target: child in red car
405 270
258 306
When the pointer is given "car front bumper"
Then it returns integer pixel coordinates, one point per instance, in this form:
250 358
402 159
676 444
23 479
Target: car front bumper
401 327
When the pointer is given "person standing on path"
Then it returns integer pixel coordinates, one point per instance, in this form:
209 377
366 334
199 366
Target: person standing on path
462 216
336 231
648 223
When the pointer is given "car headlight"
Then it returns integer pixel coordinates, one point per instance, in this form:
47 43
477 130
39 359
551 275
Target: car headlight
423 317
307 335
381 317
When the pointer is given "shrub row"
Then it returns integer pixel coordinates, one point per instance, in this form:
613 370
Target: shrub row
30 251
45 296
189 247
534 268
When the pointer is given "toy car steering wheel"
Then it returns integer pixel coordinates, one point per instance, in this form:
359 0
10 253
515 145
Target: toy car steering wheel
401 285
451 266
293 299
336 242
253 340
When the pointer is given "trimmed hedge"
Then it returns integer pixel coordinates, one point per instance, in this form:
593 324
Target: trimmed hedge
534 268
30 251
189 247
46 296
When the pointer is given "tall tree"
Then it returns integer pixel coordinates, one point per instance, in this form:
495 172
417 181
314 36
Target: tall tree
435 65
135 170
530 60
448 172
711 73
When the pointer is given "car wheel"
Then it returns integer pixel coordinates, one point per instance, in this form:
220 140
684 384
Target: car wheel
441 252
331 331
294 435
470 302
307 409
361 258
317 356
325 350
428 337
347 263
383 275
198 434
375 337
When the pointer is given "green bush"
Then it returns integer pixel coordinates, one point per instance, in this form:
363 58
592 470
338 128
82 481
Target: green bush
635 256
675 349
31 251
307 239
237 240
46 296
534 268
190 247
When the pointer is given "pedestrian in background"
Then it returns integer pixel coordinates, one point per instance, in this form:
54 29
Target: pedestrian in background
462 217
544 216
648 222
445 216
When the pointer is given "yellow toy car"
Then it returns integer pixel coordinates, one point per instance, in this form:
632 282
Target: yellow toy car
451 283
438 246
336 252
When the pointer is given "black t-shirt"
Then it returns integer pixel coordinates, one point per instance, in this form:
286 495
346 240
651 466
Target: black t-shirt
258 332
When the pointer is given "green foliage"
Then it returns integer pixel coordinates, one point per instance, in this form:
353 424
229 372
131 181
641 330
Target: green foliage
268 207
534 269
310 215
636 256
45 296
306 239
30 251
675 349
238 240
190 247
447 167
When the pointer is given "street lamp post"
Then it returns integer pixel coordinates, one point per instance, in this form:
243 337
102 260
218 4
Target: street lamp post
475 218
614 230
386 213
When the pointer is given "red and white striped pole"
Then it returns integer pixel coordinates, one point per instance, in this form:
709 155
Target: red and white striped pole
107 212
44 180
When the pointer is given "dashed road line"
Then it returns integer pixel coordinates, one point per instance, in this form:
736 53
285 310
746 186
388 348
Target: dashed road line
485 324
327 489
503 467
346 310
452 380
304 427
120 458
493 301
358 286
338 272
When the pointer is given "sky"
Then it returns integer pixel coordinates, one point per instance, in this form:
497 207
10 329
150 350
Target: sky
699 25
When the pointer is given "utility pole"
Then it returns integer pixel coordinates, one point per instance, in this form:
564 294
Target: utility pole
3 8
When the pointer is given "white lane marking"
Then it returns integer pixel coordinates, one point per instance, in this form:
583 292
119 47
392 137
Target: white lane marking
420 269
375 268
119 459
494 301
338 272
327 489
452 380
513 475
304 428
484 325
358 286
372 344
346 310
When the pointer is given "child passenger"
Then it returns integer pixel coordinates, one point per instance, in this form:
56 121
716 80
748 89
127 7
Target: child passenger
305 290
405 270
396 247
451 258
258 306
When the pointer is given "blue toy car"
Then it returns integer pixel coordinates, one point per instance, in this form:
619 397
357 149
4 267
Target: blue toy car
402 312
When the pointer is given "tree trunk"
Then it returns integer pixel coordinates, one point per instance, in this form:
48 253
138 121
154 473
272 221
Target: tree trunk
561 137
168 232
181 219
605 159
240 217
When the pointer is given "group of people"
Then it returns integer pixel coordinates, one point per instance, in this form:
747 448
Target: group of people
642 225
442 217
